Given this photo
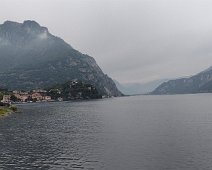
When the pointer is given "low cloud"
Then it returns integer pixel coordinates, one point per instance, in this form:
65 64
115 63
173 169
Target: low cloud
43 35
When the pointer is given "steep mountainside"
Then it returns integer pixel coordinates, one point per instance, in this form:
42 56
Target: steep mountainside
34 58
200 83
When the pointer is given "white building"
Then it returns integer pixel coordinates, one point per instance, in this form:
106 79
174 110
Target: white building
6 99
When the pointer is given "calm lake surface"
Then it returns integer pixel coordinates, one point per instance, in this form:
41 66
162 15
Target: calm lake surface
129 133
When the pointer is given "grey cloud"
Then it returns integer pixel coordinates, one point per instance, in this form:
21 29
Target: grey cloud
132 40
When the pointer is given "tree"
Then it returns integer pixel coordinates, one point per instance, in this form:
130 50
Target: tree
1 96
13 98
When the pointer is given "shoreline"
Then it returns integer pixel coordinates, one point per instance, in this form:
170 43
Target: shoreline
5 111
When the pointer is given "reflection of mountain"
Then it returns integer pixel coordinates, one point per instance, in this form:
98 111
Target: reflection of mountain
199 83
34 58
138 88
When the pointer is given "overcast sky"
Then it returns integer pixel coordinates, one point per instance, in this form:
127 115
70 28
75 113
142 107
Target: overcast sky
131 40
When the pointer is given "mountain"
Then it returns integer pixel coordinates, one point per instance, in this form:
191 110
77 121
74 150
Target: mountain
34 58
138 88
73 90
199 83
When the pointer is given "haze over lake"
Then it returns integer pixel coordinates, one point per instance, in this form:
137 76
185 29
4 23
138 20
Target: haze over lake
142 132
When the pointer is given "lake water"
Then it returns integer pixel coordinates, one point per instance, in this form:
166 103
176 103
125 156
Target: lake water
129 133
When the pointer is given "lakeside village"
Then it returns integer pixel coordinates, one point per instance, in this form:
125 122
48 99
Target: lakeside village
72 90
25 96
8 98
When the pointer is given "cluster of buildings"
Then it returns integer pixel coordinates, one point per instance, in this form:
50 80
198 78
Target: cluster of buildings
21 96
72 90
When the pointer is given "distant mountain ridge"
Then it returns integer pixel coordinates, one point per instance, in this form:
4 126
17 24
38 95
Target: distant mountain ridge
34 58
138 88
199 83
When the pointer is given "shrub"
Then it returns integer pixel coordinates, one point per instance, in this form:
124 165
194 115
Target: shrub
13 108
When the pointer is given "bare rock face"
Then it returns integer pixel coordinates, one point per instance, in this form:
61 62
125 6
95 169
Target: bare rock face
34 58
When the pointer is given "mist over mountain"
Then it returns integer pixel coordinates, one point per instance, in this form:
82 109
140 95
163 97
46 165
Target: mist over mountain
31 57
138 88
199 83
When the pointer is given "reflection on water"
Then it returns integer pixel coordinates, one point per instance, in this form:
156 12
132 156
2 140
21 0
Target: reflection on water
130 133
51 136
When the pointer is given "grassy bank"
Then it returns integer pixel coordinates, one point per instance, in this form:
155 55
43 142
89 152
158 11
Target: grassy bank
4 111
